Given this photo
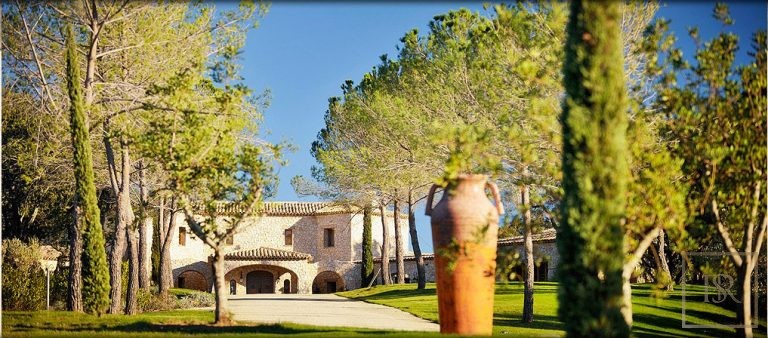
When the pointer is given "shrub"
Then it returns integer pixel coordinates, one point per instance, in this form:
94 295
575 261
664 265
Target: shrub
151 301
23 279
177 299
194 299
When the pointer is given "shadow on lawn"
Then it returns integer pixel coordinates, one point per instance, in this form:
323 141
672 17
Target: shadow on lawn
705 315
539 322
145 326
660 323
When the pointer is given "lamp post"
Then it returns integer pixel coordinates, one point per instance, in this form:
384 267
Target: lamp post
48 262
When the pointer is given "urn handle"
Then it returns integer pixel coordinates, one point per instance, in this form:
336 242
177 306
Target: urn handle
430 196
496 197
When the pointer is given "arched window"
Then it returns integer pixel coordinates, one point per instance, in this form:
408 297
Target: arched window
232 287
286 286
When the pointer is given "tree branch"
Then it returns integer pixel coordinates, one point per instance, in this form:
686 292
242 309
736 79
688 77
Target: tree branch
752 220
629 266
46 89
726 237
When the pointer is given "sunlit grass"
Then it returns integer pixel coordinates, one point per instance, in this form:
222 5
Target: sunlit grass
653 317
179 323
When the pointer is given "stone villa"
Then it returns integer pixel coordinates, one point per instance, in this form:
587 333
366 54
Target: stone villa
304 247
295 247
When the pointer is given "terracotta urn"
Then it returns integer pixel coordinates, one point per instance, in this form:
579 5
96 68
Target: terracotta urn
464 235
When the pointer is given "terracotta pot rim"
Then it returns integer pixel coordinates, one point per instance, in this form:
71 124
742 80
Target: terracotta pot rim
473 177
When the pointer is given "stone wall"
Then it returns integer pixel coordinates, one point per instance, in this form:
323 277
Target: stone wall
377 235
546 251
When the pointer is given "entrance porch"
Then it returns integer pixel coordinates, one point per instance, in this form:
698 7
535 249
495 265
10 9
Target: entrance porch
266 270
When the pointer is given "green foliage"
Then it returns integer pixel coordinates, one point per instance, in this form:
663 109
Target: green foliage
23 278
95 271
468 153
366 271
149 300
206 140
32 159
595 173
718 117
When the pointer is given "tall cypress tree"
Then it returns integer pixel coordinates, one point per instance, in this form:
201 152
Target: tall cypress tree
595 173
366 271
94 257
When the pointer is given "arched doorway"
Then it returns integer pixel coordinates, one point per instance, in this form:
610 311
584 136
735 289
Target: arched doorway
327 282
286 286
259 281
192 279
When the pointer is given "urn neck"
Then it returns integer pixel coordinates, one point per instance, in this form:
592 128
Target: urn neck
470 184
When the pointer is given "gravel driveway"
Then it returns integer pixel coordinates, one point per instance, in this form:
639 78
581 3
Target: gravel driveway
324 310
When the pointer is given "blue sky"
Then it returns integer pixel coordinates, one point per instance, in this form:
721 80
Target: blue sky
303 52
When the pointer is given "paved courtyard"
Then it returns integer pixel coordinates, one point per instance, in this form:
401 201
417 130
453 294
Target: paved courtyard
324 310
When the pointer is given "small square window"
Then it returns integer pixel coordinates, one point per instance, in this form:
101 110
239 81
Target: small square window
182 236
288 237
328 237
230 240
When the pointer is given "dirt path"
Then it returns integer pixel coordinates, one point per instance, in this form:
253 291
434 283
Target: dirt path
324 310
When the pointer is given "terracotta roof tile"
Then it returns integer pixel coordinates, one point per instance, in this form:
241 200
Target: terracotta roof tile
299 209
426 256
266 254
546 235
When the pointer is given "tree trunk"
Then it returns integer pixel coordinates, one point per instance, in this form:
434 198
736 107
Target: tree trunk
529 261
366 269
386 278
422 278
145 253
131 304
124 220
161 224
664 265
626 299
166 272
222 312
75 278
399 247
744 316
145 233
626 273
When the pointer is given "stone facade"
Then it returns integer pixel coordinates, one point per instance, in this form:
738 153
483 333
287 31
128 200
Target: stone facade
304 247
545 252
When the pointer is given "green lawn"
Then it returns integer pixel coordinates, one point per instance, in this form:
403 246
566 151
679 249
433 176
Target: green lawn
178 323
653 317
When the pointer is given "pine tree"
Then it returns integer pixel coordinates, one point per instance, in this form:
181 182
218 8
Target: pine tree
595 173
95 272
366 271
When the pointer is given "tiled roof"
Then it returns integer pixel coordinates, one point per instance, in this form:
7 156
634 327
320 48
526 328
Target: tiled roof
266 254
426 256
546 235
298 209
278 208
